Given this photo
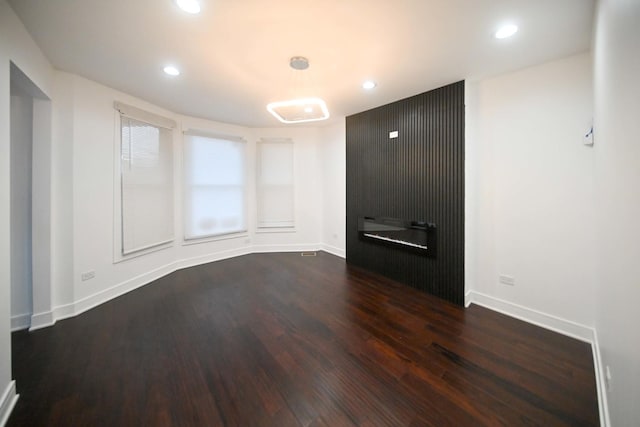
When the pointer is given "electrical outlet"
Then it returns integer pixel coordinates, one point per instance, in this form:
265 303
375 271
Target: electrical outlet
607 378
507 280
87 275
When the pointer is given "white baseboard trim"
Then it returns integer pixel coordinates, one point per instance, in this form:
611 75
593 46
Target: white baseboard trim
556 324
467 299
64 311
603 405
42 320
20 322
8 402
217 256
262 249
544 320
94 300
334 251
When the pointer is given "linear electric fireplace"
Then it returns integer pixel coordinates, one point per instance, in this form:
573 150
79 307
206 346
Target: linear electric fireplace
418 236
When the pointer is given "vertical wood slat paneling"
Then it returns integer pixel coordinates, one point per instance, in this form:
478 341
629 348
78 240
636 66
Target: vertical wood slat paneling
418 176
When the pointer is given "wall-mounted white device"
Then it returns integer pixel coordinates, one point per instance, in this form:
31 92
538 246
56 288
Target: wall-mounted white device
588 136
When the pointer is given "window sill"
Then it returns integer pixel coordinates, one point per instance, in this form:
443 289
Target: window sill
119 257
217 238
276 230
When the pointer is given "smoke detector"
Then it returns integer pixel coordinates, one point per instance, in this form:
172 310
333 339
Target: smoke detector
299 63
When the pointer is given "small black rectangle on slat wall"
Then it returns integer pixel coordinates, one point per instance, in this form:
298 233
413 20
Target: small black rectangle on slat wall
416 176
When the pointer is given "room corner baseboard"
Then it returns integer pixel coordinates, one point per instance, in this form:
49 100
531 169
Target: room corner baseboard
556 324
64 311
8 402
603 405
42 320
333 250
94 300
87 303
20 322
467 299
538 318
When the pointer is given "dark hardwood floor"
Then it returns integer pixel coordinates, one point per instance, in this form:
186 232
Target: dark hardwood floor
284 340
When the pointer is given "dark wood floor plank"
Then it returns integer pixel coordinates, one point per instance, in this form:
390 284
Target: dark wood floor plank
284 340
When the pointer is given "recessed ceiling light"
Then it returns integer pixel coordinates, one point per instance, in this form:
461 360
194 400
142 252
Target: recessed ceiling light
506 31
189 6
171 70
369 85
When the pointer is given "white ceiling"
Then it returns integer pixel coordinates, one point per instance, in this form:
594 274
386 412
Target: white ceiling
234 55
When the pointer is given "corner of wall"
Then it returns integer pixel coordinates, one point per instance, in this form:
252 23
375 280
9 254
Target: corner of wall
8 402
603 405
556 324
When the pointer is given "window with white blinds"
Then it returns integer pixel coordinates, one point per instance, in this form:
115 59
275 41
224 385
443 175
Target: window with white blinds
146 179
275 185
215 194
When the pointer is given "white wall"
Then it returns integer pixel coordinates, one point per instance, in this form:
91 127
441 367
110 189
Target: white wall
334 186
17 46
21 153
94 137
62 191
86 131
617 156
531 190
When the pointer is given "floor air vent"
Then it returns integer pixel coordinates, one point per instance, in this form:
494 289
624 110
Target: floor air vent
308 253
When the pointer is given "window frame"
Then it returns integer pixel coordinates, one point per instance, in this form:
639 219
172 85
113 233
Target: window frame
243 231
258 167
164 124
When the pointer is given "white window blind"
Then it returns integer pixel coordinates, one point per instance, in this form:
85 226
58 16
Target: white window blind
214 196
146 168
275 184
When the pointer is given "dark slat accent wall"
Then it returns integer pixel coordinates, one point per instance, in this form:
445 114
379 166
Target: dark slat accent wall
418 176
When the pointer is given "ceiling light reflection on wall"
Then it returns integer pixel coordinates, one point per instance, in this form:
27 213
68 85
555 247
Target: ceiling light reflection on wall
171 70
506 31
189 6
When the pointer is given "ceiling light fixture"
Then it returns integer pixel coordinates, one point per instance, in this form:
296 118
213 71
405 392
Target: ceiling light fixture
302 109
506 31
171 70
299 110
369 84
189 6
299 63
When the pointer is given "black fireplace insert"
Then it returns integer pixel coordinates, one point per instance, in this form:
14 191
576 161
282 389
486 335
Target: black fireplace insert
415 236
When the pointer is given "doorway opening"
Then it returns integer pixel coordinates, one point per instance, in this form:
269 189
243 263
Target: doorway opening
30 197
